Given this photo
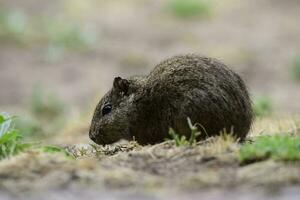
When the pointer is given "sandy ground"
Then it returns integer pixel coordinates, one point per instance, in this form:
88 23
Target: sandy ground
258 38
289 193
211 169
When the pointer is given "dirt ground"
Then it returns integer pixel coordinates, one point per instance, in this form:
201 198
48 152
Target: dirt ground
210 169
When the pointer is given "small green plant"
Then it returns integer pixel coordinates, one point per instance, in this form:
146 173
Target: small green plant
190 8
182 140
62 36
69 35
263 106
13 25
55 149
29 127
10 139
59 35
46 105
277 147
179 140
295 69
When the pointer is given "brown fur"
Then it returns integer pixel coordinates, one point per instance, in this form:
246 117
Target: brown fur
201 88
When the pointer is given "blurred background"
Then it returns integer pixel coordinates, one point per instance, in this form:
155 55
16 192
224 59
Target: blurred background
58 57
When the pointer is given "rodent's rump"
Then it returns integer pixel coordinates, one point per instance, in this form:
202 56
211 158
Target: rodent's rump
181 87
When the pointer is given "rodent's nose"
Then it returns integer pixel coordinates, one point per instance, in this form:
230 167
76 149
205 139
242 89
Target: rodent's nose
95 134
95 137
92 137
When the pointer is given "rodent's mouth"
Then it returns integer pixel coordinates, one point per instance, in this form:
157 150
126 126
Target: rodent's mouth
102 136
97 140
94 138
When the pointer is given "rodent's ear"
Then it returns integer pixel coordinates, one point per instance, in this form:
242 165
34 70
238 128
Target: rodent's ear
121 85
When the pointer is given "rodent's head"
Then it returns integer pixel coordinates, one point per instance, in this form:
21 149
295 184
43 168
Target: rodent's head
110 122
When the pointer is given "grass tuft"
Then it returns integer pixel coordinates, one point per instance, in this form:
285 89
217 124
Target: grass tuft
295 69
46 105
190 8
55 149
179 140
277 147
47 116
263 106
10 139
56 35
182 140
13 25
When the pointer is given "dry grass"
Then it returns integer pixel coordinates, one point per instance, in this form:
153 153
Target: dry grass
276 125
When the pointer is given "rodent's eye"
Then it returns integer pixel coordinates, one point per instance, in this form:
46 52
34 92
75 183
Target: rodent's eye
106 109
